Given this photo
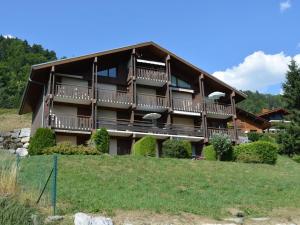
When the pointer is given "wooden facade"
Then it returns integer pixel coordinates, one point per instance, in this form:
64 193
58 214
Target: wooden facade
115 89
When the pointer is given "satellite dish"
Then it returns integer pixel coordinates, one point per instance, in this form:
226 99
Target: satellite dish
152 116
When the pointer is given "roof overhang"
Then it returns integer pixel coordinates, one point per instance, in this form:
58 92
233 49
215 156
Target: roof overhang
44 69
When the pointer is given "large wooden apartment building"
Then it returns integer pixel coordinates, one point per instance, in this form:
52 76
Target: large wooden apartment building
115 89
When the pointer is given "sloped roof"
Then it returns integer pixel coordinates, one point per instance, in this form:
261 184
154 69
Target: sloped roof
273 111
254 118
48 65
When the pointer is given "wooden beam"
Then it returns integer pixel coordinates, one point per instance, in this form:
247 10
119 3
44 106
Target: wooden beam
204 117
234 117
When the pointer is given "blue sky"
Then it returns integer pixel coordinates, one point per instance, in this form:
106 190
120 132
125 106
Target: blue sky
249 41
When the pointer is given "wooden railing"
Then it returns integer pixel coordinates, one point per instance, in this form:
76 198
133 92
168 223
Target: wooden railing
71 122
227 131
187 105
151 74
218 108
153 101
149 127
70 91
115 97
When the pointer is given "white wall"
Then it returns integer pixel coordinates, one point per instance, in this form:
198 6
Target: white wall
113 147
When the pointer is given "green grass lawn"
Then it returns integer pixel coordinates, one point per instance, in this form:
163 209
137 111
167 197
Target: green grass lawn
106 184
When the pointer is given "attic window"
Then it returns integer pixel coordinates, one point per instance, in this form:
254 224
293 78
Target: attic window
109 72
176 82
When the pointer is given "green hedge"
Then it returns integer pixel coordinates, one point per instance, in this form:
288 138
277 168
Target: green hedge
209 153
254 136
177 149
296 158
66 148
146 146
101 140
42 139
256 152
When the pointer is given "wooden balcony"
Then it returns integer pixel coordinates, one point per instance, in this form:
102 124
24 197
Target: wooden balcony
121 126
186 106
151 76
115 99
218 110
151 103
72 93
227 131
71 123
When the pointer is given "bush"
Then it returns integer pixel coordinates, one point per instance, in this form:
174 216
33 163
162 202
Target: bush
177 149
66 148
210 153
42 139
256 152
254 136
101 140
222 145
267 138
296 158
146 146
289 140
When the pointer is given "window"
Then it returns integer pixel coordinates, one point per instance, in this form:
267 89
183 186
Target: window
110 72
176 82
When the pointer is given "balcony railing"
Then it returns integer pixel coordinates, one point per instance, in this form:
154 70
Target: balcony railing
227 131
151 74
114 97
186 105
71 122
218 108
148 127
152 101
70 91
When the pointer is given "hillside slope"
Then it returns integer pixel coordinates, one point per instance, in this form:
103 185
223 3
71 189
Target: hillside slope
9 120
106 184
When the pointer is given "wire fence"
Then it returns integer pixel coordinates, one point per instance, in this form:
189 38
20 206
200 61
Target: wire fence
37 179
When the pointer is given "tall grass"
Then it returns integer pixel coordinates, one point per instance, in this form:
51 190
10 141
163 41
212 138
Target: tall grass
8 175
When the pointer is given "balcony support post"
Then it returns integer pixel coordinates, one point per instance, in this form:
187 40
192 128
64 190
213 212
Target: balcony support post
204 116
133 77
51 87
169 91
94 90
234 117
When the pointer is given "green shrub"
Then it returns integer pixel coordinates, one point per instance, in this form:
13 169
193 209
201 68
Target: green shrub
267 138
101 140
146 146
13 212
42 138
254 136
66 148
256 152
210 153
177 149
222 145
296 158
289 140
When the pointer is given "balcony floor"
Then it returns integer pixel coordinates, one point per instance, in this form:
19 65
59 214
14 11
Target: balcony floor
119 105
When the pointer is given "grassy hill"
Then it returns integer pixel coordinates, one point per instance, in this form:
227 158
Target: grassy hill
11 120
108 184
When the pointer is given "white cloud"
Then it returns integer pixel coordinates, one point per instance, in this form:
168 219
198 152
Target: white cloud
8 36
258 71
285 5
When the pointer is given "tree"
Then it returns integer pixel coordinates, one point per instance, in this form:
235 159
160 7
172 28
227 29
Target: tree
289 137
16 58
222 144
291 89
101 140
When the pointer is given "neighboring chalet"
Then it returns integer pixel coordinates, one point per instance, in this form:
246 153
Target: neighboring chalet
115 89
248 122
275 117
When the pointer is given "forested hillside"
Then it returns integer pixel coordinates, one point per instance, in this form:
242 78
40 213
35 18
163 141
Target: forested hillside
256 101
16 58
